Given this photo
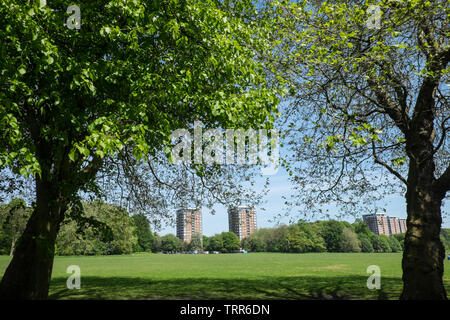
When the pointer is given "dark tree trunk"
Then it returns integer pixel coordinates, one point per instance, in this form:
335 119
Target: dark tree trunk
29 272
423 257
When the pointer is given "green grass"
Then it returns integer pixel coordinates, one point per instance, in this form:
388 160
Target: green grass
229 276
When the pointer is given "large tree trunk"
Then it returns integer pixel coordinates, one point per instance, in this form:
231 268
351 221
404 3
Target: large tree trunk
29 272
423 257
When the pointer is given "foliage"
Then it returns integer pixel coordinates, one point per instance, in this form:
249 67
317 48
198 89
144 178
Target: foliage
274 238
332 232
394 244
215 243
231 242
302 237
205 242
350 241
254 243
354 92
156 246
361 228
123 70
401 239
196 243
366 243
309 237
445 238
143 233
13 219
92 241
380 243
170 243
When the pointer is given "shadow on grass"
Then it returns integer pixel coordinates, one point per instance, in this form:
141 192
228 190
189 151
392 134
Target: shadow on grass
281 288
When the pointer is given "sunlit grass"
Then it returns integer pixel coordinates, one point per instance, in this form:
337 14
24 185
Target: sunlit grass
229 276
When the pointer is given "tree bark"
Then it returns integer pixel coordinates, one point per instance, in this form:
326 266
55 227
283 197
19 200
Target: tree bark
13 245
423 257
29 272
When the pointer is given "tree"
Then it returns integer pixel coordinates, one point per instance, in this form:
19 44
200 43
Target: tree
143 233
312 231
366 244
13 219
274 238
205 242
445 238
71 99
302 237
183 246
361 228
394 244
5 244
231 242
380 243
170 243
401 239
332 232
369 84
254 243
70 242
111 231
121 224
296 240
215 243
196 242
156 246
350 241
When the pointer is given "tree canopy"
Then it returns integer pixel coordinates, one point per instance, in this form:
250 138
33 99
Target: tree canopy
143 233
368 86
115 84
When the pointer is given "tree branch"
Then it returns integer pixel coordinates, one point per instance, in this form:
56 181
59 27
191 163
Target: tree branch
384 164
430 83
400 118
442 185
90 170
443 135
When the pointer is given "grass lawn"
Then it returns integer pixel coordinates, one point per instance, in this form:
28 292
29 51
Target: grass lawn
229 276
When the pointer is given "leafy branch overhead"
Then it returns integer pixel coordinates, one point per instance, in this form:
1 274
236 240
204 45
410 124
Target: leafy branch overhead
366 94
130 75
368 86
112 83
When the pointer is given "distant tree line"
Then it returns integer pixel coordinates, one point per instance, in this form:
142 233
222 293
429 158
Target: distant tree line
109 229
327 236
225 242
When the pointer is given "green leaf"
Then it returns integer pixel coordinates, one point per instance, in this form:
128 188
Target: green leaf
72 155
